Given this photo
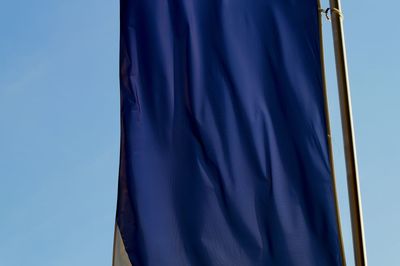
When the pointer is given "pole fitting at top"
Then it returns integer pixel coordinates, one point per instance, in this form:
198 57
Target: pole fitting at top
331 10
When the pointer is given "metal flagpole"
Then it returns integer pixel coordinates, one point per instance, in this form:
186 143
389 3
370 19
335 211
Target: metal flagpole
348 135
328 129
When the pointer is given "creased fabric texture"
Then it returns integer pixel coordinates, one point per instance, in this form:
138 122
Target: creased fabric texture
224 153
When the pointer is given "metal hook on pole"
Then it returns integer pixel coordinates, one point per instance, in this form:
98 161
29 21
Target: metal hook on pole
329 11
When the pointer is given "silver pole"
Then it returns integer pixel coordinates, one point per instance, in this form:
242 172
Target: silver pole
348 135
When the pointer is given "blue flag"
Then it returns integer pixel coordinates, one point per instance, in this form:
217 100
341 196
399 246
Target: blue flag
224 150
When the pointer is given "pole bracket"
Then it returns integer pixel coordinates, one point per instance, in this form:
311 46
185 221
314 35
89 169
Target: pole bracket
331 10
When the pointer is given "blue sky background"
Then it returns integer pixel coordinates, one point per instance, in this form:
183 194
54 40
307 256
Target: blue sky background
59 128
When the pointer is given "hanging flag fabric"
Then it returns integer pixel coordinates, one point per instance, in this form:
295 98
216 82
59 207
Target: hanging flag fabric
224 150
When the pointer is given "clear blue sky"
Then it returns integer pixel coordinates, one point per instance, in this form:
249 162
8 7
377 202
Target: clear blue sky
59 129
